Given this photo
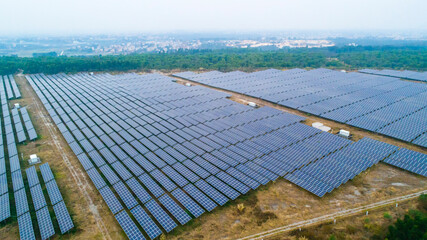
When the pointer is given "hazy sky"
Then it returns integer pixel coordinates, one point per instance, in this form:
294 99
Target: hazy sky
115 16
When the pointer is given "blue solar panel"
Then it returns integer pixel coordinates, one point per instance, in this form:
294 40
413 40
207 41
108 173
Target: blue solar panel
64 220
138 190
46 172
163 180
111 200
21 202
161 216
243 178
121 170
84 160
129 227
5 207
174 209
211 192
125 195
222 187
185 172
38 197
53 192
201 198
26 230
96 178
149 183
32 176
109 174
175 176
188 203
146 222
3 184
45 223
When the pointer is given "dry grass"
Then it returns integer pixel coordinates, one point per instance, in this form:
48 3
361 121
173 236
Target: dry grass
372 226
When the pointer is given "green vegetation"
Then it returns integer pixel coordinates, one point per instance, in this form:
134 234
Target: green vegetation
412 58
413 226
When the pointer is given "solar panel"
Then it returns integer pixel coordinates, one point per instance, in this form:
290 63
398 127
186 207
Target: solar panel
3 184
211 192
175 176
5 207
53 192
129 227
149 183
111 200
26 230
96 178
201 198
163 180
188 203
161 216
121 170
21 202
125 195
157 135
32 176
138 190
174 209
109 174
84 160
38 197
64 220
46 172
45 223
146 222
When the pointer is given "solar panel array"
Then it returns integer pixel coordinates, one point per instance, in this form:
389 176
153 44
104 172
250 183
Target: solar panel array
411 75
40 206
166 153
28 124
380 104
63 217
11 87
332 171
409 160
8 148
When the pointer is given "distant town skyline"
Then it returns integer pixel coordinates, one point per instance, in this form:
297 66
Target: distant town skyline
132 16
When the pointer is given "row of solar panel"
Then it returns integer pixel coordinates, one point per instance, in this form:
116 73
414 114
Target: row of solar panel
330 172
409 160
382 104
412 75
12 153
44 221
11 87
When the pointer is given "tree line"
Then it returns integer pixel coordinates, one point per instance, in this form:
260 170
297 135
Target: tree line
411 58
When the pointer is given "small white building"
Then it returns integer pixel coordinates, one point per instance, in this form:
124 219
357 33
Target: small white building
252 104
34 159
320 126
344 133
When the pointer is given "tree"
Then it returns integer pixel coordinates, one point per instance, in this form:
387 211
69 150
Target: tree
413 227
